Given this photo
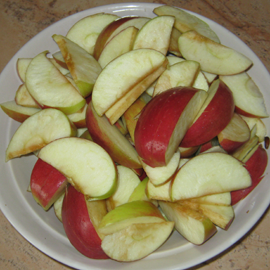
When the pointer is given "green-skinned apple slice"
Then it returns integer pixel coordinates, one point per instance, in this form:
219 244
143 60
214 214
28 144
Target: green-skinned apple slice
209 173
213 57
38 130
127 181
17 112
192 225
130 213
248 98
86 165
83 67
86 31
185 21
136 241
123 74
155 34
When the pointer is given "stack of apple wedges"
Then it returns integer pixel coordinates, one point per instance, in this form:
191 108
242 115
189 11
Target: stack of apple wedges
140 126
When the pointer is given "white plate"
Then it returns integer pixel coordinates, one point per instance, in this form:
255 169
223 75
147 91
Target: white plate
44 230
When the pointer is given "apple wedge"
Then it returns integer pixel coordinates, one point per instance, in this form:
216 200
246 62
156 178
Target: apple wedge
209 173
57 206
159 193
85 32
212 56
247 96
47 184
22 65
192 225
38 130
127 181
155 34
80 220
17 112
59 59
78 118
122 74
23 97
111 139
187 152
86 165
180 74
50 88
83 67
169 115
235 134
118 45
215 114
173 46
185 21
136 241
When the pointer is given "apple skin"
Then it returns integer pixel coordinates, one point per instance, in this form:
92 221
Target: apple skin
157 122
213 119
47 184
78 226
256 165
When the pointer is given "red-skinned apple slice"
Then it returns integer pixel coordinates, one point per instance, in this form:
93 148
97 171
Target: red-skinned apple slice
213 57
136 241
57 206
86 31
23 97
129 213
155 34
83 67
191 224
256 165
127 181
187 152
235 134
86 165
50 88
169 115
38 130
209 173
47 184
185 21
119 44
123 74
214 116
80 220
248 98
114 28
111 139
17 112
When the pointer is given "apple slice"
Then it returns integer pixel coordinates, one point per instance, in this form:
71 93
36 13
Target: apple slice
38 130
114 28
85 32
213 117
160 175
247 96
17 112
47 184
119 108
118 45
50 88
80 220
210 77
210 173
185 21
22 65
173 46
122 74
23 98
83 67
235 134
87 166
57 206
111 139
169 115
155 34
256 165
78 118
213 57
180 74
127 181
187 152
136 241
159 193
59 59
129 213
192 225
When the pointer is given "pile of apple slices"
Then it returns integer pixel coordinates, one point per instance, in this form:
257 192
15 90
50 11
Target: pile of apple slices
140 126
